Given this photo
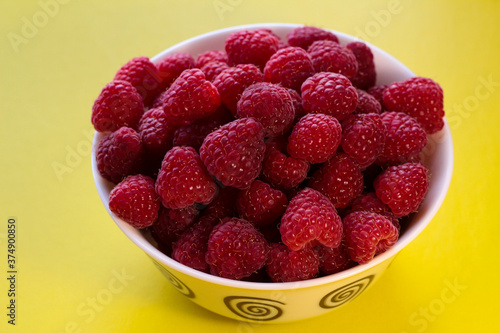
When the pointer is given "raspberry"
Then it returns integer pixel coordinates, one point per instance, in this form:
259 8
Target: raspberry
334 259
405 138
330 56
236 249
366 76
156 132
214 68
119 104
368 234
251 47
367 103
191 97
134 200
339 179
234 152
260 204
363 138
310 217
378 93
402 187
210 56
290 67
143 75
183 179
421 98
329 93
170 67
371 203
297 104
304 36
233 81
284 265
268 103
283 171
223 205
315 138
119 154
172 223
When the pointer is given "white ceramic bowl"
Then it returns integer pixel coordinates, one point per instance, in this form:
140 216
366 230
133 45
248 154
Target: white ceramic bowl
290 301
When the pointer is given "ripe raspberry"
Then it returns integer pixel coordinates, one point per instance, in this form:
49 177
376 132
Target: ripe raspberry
378 93
334 259
210 56
290 67
330 56
363 138
261 204
214 68
283 171
143 75
405 138
191 97
170 67
269 104
236 249
234 152
371 203
421 98
119 104
304 36
297 104
223 205
233 81
368 234
366 76
251 47
310 217
156 132
402 187
119 154
329 93
134 200
367 103
315 138
172 223
339 179
183 179
284 265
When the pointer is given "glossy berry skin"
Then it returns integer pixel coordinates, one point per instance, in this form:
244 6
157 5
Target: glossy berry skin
156 132
334 259
170 67
329 56
172 223
284 265
371 203
304 36
367 103
366 76
210 56
251 47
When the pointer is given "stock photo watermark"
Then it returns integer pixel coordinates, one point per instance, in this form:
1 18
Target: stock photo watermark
222 7
74 157
380 19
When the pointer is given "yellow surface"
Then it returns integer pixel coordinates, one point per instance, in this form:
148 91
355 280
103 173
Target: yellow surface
78 273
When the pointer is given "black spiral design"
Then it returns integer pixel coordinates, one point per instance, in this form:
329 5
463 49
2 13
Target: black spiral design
174 281
254 308
346 293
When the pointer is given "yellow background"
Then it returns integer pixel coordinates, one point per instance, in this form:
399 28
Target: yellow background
70 253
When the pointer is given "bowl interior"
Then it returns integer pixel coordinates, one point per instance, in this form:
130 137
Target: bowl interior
438 157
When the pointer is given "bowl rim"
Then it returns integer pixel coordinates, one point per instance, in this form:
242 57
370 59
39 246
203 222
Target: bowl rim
138 238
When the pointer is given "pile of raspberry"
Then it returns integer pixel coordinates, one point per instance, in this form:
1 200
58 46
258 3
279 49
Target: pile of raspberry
270 161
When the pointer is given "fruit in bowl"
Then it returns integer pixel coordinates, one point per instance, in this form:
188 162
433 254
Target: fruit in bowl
271 159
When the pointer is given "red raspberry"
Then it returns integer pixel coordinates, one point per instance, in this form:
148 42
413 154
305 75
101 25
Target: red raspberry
223 205
270 104
172 223
183 179
330 56
214 68
378 93
334 259
191 97
119 154
156 132
170 67
367 103
134 200
297 104
233 81
290 67
251 47
421 98
405 138
191 247
304 36
329 93
368 234
366 76
143 75
363 138
119 104
310 217
371 203
284 265
210 56
261 204
236 249
402 187
315 138
339 179
234 152
283 171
